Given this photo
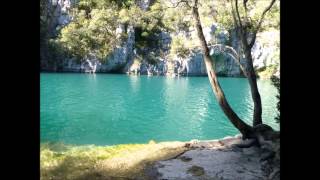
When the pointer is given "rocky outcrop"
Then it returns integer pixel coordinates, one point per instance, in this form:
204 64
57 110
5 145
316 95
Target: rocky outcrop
57 15
115 62
124 57
54 15
217 159
145 4
265 51
193 64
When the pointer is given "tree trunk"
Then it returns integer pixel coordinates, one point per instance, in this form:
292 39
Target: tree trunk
244 128
250 73
252 78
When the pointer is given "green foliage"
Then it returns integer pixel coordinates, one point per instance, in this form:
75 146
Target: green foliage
93 29
266 72
224 16
132 15
148 27
207 12
55 48
96 4
145 34
94 24
179 48
177 19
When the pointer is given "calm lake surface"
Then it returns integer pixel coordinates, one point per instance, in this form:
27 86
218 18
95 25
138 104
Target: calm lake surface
107 109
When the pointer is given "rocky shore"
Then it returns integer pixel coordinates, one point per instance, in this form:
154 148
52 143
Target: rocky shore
212 159
218 159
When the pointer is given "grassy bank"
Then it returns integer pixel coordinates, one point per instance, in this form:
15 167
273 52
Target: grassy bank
126 161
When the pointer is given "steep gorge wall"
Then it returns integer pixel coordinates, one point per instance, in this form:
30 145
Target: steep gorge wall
55 14
123 59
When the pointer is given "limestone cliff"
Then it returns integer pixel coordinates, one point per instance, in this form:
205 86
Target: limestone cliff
124 58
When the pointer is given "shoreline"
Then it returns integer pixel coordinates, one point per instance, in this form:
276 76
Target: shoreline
155 160
111 73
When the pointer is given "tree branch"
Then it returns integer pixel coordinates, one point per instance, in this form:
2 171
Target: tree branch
260 23
238 15
179 2
195 5
245 7
245 4
244 128
231 52
242 32
234 16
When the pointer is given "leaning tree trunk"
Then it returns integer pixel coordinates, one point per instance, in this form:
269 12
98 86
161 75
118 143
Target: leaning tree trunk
252 78
244 128
257 112
249 72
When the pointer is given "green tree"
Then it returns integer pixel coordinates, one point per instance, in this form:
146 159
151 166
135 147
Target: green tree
259 133
93 29
179 48
248 28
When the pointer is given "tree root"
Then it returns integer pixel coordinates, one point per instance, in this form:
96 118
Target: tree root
274 174
268 156
268 141
248 144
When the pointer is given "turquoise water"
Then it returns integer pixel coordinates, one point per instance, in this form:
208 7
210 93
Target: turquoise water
106 109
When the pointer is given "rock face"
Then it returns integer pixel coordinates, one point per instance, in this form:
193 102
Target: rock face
121 55
123 60
144 4
265 49
193 64
54 15
58 15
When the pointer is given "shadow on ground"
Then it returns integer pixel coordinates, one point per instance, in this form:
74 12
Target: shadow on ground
59 161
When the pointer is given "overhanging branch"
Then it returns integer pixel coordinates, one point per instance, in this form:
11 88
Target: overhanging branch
179 2
231 52
245 8
238 15
260 23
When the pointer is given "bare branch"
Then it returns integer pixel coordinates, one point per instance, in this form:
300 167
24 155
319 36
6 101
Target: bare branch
238 15
234 16
260 23
179 2
243 34
245 4
245 7
221 48
195 5
247 20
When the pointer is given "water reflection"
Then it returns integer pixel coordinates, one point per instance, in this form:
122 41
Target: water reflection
134 83
112 109
269 103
